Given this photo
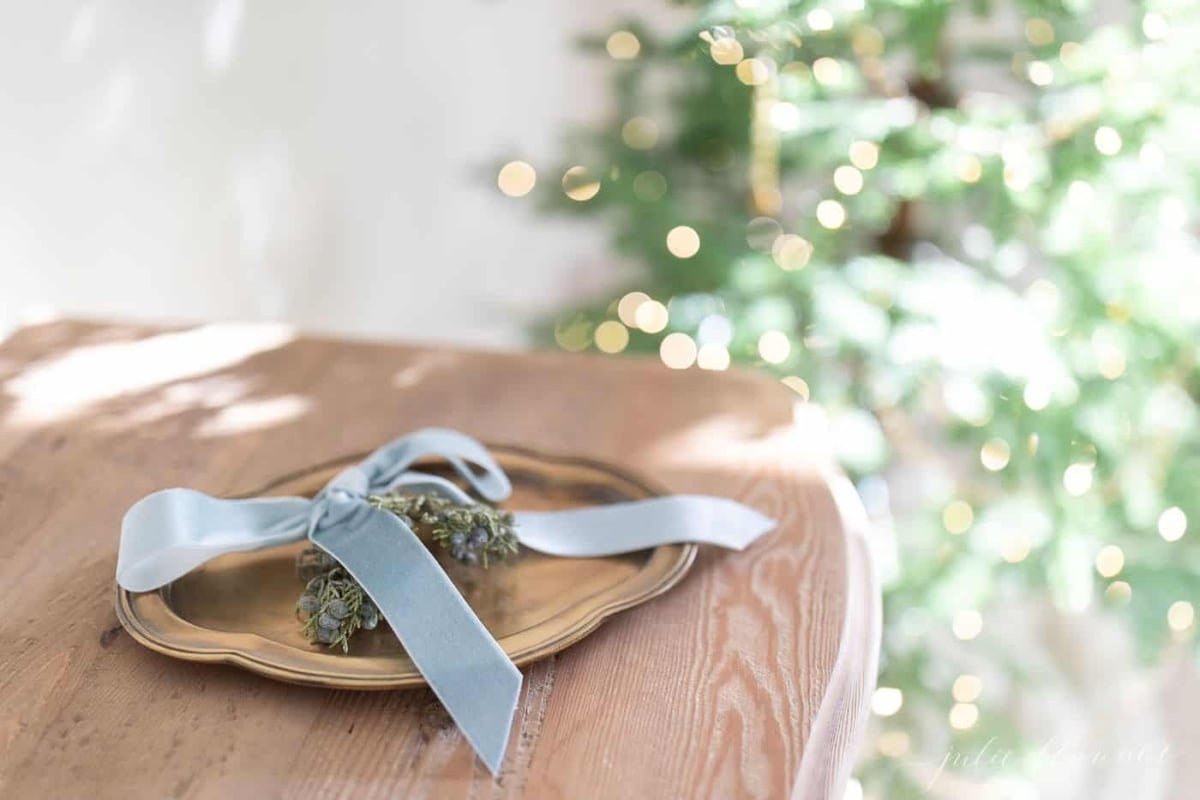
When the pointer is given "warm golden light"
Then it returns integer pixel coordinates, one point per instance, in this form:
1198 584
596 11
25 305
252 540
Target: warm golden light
579 184
827 70
967 624
1110 561
683 242
819 20
886 701
994 454
967 688
1118 592
677 350
958 516
963 716
774 347
727 51
516 179
753 71
1040 73
1039 32
1077 479
1036 396
1172 524
628 305
1107 140
640 133
651 316
623 46
1155 26
791 252
1015 548
713 356
969 169
864 155
848 180
611 336
892 744
1181 615
797 385
831 214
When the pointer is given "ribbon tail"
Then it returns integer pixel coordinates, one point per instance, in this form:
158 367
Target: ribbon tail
169 533
466 668
642 524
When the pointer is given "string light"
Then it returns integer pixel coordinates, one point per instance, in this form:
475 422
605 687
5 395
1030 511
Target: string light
1118 593
1077 479
713 356
892 744
967 624
847 180
774 347
516 179
797 385
963 716
1181 615
887 700
651 316
1040 73
579 185
611 336
1071 55
864 155
640 133
867 41
628 305
677 350
786 116
573 334
831 214
1015 548
791 252
623 46
1172 524
1036 395
753 71
683 242
827 70
1039 32
820 20
958 516
1155 26
994 454
1107 140
727 51
1110 561
969 168
967 688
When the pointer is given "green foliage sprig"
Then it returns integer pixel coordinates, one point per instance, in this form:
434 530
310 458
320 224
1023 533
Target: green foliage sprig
333 606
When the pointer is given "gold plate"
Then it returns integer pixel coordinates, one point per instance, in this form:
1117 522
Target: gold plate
240 608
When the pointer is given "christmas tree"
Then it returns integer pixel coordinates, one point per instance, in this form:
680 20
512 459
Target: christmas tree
967 230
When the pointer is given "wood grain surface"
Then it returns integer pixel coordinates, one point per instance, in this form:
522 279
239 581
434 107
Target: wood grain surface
749 679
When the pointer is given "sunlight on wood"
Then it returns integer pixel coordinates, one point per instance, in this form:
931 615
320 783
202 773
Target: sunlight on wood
72 383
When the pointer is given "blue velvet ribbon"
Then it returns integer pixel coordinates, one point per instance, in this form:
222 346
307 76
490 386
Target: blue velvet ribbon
171 532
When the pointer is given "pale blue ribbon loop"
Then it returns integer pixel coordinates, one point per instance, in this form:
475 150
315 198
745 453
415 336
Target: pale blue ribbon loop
169 533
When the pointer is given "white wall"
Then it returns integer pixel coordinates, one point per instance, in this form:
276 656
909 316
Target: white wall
328 164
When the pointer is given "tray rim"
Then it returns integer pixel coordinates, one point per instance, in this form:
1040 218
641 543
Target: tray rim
127 602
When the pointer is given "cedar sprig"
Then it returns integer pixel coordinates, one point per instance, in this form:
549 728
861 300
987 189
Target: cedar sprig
333 606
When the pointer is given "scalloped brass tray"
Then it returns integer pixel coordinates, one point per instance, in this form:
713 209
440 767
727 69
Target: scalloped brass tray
240 608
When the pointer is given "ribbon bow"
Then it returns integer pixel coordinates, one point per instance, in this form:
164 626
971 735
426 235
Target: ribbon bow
168 533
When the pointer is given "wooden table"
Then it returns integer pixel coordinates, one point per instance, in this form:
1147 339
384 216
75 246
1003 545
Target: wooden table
749 679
